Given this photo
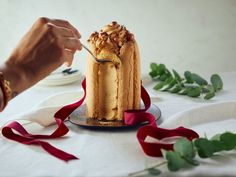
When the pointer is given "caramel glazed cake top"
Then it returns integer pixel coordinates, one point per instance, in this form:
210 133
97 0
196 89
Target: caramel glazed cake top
112 37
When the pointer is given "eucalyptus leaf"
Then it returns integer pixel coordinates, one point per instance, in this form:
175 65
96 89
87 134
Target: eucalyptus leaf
153 74
174 161
166 83
209 95
163 77
188 77
198 79
217 82
205 89
154 67
177 76
191 161
158 86
218 145
184 91
176 88
229 140
168 73
154 171
169 85
204 147
210 88
162 69
194 92
184 147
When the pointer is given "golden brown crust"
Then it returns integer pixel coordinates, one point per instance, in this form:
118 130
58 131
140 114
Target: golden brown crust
113 88
127 59
92 85
137 77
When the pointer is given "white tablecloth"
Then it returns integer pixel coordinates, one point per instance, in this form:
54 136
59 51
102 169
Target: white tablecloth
101 153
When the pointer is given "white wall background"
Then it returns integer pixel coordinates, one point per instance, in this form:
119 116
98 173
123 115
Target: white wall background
196 35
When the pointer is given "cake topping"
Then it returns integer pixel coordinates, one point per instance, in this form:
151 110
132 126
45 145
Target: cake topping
113 36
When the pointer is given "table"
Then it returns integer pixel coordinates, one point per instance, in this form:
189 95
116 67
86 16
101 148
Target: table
101 153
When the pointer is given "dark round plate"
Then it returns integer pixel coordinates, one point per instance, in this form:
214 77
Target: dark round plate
78 117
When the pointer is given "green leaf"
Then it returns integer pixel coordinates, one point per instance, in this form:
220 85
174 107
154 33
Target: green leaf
188 77
184 91
191 161
174 161
154 171
154 67
209 95
168 81
176 88
198 79
210 92
210 88
205 89
184 147
194 92
170 84
158 86
217 82
204 147
168 73
177 76
153 74
163 77
162 69
218 145
229 140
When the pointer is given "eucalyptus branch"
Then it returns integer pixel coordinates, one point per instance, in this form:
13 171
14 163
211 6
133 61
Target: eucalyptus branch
191 84
185 151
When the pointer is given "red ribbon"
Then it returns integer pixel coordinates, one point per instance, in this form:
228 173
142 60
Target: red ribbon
154 149
138 116
131 117
27 138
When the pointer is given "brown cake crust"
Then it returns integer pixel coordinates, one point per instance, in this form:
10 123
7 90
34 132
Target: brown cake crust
114 87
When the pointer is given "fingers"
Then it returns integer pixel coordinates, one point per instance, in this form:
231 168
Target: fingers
59 28
68 55
65 36
72 44
61 31
66 24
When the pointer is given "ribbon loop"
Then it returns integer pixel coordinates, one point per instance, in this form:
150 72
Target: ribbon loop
62 129
154 148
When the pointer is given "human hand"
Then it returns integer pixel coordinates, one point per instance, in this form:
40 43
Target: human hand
46 46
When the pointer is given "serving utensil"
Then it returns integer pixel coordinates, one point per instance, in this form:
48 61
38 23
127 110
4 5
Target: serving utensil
94 57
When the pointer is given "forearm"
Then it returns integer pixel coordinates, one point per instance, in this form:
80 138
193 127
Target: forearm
19 81
46 46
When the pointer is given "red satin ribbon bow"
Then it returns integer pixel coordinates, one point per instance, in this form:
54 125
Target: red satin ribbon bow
131 117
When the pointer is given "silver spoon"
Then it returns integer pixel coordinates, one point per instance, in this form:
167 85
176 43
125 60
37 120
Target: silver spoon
95 58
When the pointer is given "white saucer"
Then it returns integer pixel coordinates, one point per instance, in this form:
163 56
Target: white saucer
58 78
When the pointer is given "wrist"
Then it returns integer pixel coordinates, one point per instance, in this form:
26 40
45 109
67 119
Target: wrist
17 77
